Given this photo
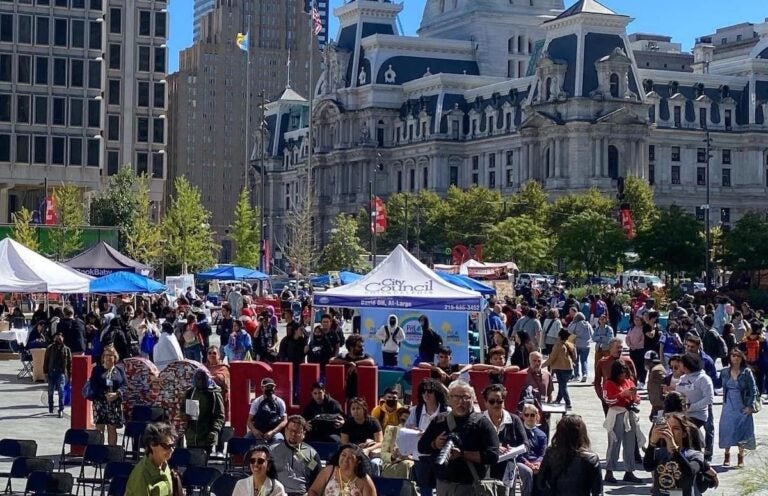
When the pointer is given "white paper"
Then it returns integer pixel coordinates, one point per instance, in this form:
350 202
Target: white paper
553 408
408 441
192 407
513 453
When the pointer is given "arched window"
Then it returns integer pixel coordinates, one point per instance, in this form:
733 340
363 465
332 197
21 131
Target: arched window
548 89
614 85
380 133
511 45
547 163
613 162
530 46
520 44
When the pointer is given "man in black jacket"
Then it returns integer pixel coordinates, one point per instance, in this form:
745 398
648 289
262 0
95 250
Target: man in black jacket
476 444
324 414
73 330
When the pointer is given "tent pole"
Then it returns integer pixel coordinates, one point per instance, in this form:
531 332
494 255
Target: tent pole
481 329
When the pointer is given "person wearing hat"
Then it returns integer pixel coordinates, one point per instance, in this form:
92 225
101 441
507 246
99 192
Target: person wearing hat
656 375
267 415
204 409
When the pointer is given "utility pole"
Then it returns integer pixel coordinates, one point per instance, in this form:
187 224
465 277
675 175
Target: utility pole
262 262
708 228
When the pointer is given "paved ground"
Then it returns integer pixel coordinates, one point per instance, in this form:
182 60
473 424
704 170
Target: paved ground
24 414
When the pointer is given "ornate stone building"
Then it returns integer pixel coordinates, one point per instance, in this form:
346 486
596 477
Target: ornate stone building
499 92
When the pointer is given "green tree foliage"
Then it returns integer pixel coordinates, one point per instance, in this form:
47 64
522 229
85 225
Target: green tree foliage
363 220
466 215
143 239
420 222
66 237
745 247
639 195
188 237
246 232
569 206
23 230
521 240
532 201
672 242
591 242
116 206
301 246
343 250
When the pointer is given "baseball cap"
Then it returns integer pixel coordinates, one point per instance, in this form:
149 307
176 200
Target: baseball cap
267 381
652 356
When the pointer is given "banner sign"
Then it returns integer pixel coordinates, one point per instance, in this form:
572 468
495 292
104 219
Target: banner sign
451 326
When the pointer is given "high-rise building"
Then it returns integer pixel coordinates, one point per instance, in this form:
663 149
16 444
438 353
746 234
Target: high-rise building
208 95
201 9
82 91
322 10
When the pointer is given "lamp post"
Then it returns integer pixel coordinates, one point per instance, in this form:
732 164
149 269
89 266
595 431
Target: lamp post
372 202
707 227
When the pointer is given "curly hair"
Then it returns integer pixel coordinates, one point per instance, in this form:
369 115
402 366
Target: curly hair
271 470
363 467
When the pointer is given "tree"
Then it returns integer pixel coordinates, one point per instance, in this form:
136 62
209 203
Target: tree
343 250
530 200
23 230
117 206
591 241
520 239
639 196
745 247
301 245
66 237
188 237
672 242
467 214
571 205
143 237
246 232
418 222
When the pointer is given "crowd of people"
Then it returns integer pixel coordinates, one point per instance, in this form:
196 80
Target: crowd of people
549 339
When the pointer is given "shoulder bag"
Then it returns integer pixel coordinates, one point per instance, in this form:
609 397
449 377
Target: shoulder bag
480 487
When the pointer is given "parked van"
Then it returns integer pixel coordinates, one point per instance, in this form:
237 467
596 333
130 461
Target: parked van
639 279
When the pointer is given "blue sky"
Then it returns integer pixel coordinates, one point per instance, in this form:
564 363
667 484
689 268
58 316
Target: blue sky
684 20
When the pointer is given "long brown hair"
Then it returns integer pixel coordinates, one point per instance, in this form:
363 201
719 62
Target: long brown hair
569 439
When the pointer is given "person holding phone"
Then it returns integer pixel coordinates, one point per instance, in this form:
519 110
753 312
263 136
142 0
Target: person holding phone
620 393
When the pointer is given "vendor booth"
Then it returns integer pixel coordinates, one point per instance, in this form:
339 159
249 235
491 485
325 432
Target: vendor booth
102 259
232 273
344 278
403 286
125 282
25 271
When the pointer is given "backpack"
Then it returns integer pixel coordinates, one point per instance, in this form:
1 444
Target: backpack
719 343
529 396
386 329
267 414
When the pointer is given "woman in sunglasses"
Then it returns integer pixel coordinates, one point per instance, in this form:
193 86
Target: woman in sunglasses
152 475
347 474
511 432
263 481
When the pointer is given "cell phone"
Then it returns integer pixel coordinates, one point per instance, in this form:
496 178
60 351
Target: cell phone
660 419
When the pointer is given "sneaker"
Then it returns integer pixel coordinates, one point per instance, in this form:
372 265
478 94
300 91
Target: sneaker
569 407
584 379
631 478
609 478
61 414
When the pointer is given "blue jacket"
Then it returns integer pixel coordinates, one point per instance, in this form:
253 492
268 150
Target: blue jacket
747 385
709 368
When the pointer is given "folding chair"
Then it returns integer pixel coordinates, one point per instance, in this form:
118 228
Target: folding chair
147 413
188 457
23 466
13 448
224 485
117 486
25 372
79 438
325 450
199 479
394 487
237 447
115 470
49 483
132 433
97 456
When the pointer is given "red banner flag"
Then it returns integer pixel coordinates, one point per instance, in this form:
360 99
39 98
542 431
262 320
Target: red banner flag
626 222
378 216
50 212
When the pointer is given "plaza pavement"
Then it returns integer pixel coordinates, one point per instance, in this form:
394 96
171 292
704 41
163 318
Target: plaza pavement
24 415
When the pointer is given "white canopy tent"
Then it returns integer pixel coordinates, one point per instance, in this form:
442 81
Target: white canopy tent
25 271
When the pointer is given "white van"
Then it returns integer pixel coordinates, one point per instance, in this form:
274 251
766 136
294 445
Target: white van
639 279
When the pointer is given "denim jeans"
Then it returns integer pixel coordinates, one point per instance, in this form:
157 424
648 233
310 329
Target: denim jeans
563 376
423 472
56 380
583 355
194 352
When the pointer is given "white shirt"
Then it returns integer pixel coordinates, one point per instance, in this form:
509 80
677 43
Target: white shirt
244 487
167 350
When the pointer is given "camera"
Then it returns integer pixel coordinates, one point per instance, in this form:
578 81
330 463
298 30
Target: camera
445 453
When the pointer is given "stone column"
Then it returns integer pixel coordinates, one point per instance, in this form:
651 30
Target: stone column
525 162
4 213
604 153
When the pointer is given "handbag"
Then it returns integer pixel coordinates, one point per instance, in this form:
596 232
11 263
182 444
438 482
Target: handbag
758 404
480 487
87 391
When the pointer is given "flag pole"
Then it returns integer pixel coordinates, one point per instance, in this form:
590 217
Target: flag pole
310 151
246 183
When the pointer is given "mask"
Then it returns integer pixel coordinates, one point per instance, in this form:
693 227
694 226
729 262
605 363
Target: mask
392 322
391 403
269 391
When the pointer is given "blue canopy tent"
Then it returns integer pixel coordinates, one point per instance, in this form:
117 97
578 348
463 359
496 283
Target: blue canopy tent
467 282
125 282
232 272
345 277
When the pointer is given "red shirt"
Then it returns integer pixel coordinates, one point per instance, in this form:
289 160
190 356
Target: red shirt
612 393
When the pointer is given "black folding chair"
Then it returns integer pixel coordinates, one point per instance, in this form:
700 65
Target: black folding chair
97 456
224 485
77 439
25 372
49 483
199 480
132 435
325 450
13 448
237 447
23 466
183 458
147 413
115 470
117 486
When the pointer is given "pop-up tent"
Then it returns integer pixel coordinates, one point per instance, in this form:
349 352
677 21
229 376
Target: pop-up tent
401 281
25 271
125 282
467 282
232 273
345 278
102 260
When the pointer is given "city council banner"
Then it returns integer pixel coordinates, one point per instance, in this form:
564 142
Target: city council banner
451 326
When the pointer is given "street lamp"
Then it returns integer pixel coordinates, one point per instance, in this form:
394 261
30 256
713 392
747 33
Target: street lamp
379 167
707 227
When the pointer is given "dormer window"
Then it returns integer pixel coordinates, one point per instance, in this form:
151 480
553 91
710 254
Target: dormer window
678 116
548 89
614 85
728 120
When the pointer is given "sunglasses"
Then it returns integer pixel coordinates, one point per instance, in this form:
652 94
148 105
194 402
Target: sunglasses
168 446
258 461
213 352
529 415
495 402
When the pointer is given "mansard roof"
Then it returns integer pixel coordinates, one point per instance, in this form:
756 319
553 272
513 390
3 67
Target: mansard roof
586 7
